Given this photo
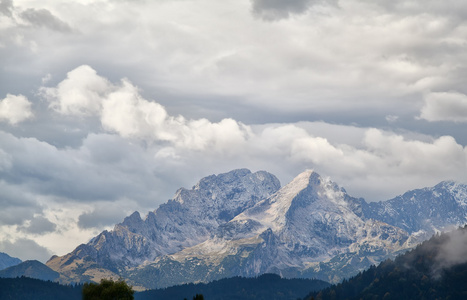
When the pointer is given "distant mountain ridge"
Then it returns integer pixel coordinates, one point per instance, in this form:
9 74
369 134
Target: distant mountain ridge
244 224
8 261
189 219
32 269
427 209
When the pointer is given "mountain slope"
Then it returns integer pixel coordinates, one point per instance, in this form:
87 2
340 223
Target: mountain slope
436 269
31 269
307 221
189 219
8 261
429 209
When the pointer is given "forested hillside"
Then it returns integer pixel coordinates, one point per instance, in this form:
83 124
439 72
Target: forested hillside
436 269
25 288
268 286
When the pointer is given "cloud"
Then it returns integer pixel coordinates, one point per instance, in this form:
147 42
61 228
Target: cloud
6 7
445 106
17 204
391 118
451 8
453 251
276 9
271 10
94 171
44 18
122 109
377 156
79 94
329 64
15 109
106 214
25 249
39 225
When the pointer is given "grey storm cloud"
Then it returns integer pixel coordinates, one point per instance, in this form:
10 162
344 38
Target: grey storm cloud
25 249
105 215
44 18
452 8
39 225
279 9
17 205
6 7
94 171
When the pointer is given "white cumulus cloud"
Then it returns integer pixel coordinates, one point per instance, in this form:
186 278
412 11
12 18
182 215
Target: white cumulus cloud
123 110
15 109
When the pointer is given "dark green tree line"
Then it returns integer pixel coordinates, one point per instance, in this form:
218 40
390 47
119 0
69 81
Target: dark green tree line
108 289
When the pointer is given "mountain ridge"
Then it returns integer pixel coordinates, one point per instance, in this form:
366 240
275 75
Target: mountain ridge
32 269
8 261
244 224
307 221
188 219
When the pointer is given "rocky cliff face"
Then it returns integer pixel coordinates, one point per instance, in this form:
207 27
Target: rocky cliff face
243 224
309 220
428 209
192 217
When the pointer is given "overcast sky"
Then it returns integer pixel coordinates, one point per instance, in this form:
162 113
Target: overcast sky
107 107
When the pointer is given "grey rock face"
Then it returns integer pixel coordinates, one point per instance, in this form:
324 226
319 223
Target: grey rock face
428 209
243 224
192 217
307 221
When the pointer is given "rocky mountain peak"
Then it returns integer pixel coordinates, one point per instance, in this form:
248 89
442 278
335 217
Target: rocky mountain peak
132 222
244 224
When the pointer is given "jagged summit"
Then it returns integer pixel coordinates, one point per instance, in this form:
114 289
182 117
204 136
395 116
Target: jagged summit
308 220
271 212
305 193
192 217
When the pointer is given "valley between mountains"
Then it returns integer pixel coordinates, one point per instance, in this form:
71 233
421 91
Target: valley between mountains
245 224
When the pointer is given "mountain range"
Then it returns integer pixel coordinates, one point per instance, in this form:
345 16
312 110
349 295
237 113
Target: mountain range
30 268
8 261
245 224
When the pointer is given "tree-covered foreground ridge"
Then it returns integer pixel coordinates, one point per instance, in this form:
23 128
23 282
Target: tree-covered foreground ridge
108 289
435 269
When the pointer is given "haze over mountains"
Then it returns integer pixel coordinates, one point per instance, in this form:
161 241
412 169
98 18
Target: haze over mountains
244 224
